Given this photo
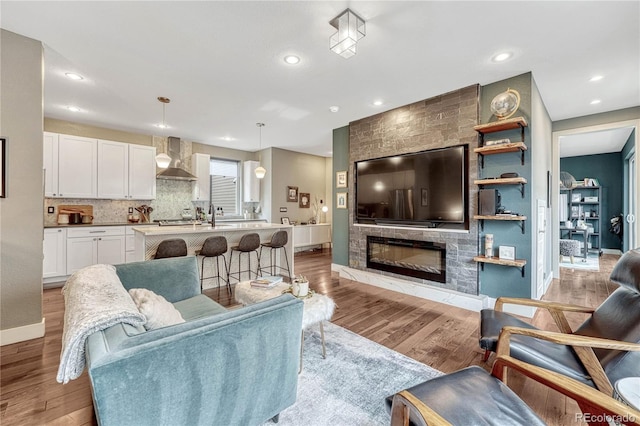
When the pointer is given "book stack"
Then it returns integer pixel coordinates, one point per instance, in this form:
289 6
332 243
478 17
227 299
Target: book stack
266 282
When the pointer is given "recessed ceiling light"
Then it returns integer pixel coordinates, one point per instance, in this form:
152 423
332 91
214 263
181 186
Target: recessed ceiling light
162 126
596 78
334 108
73 76
227 138
73 108
501 57
595 101
291 59
377 102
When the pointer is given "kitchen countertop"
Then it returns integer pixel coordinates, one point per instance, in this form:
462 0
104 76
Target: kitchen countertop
204 228
80 225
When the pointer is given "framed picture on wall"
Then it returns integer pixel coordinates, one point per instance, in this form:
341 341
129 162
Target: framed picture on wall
341 179
507 252
292 194
285 220
305 200
341 200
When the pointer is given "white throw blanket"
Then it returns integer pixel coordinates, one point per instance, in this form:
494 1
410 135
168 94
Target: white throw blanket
94 299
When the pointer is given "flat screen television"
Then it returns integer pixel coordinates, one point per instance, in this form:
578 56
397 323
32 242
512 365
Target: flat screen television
426 188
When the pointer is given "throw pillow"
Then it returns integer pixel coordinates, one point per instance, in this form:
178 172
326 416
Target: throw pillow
158 311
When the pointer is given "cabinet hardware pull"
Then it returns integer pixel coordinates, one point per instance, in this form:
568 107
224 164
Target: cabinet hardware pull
96 232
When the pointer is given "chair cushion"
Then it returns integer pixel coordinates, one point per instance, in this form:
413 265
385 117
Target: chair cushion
473 397
491 323
197 307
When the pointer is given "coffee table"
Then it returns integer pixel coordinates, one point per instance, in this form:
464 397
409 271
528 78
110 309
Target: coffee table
317 307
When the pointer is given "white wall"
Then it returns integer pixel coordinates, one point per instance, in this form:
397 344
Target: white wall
21 212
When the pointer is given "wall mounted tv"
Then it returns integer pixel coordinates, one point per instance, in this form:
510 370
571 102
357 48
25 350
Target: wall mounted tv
428 188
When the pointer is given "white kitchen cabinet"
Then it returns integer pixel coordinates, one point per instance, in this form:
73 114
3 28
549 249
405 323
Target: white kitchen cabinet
77 167
54 247
126 171
311 235
201 168
98 244
50 164
142 172
251 184
113 170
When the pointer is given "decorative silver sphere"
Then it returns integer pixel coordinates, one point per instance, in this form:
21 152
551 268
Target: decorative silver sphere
505 104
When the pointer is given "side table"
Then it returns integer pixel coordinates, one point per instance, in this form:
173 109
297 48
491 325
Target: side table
317 308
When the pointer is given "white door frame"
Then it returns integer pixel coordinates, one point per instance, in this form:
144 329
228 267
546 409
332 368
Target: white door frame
555 194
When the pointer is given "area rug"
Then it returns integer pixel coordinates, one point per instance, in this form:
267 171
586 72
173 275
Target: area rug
348 388
592 263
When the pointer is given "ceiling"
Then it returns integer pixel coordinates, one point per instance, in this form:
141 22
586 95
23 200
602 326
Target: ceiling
601 142
221 62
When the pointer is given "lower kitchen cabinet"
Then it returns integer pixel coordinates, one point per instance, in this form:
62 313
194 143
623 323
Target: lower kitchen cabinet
91 245
311 235
54 263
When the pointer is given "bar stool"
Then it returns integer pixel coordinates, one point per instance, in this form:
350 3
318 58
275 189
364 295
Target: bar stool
173 247
214 247
248 243
278 241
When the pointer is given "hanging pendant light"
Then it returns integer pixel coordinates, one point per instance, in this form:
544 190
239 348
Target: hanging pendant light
260 171
163 160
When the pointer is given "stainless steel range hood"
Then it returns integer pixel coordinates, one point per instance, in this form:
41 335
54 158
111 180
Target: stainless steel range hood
175 170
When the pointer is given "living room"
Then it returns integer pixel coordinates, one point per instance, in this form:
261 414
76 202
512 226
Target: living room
468 283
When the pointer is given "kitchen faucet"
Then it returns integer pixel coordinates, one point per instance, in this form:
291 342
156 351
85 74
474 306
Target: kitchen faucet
212 211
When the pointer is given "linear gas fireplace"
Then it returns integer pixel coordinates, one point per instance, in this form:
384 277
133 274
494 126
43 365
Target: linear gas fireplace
420 259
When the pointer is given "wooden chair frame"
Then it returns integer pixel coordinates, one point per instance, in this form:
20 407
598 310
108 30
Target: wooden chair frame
582 345
589 399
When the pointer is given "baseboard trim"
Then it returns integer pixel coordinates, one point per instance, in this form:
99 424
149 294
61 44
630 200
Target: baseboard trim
612 251
448 297
22 333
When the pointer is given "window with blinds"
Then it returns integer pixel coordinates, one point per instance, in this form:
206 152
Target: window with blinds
225 186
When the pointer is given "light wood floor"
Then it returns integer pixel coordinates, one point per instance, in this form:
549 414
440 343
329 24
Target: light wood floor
441 336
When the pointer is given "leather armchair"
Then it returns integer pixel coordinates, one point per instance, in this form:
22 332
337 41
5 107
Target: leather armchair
454 399
602 350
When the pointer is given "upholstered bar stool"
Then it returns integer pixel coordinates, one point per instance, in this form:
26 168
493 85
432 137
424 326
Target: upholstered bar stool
278 241
249 243
214 247
173 247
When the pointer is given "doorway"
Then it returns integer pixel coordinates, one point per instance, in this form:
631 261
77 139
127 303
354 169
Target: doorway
631 238
633 229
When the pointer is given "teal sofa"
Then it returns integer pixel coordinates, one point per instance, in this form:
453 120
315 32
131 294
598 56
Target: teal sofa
220 367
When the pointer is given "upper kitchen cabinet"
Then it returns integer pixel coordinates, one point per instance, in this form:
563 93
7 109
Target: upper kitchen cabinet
50 160
142 172
113 170
250 182
201 168
126 171
77 167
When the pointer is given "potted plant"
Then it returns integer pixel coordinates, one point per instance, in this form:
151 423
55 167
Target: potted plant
300 286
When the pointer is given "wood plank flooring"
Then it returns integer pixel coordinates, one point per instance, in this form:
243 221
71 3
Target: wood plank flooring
441 336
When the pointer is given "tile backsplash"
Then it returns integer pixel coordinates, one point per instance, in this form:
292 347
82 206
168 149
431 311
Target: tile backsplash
171 197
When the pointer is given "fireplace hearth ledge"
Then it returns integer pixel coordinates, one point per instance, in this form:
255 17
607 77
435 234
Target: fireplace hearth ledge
425 291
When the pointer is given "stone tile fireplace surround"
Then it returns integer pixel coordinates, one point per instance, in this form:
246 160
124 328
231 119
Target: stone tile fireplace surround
441 121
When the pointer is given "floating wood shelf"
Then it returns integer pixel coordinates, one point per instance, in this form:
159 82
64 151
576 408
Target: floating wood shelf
499 126
517 263
502 181
482 218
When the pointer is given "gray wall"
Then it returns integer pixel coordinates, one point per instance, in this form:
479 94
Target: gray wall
596 119
340 238
21 228
307 172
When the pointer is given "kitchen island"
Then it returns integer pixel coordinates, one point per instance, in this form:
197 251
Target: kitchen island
147 239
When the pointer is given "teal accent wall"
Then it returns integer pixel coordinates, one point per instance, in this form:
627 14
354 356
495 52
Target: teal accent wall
340 230
628 149
498 280
606 168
